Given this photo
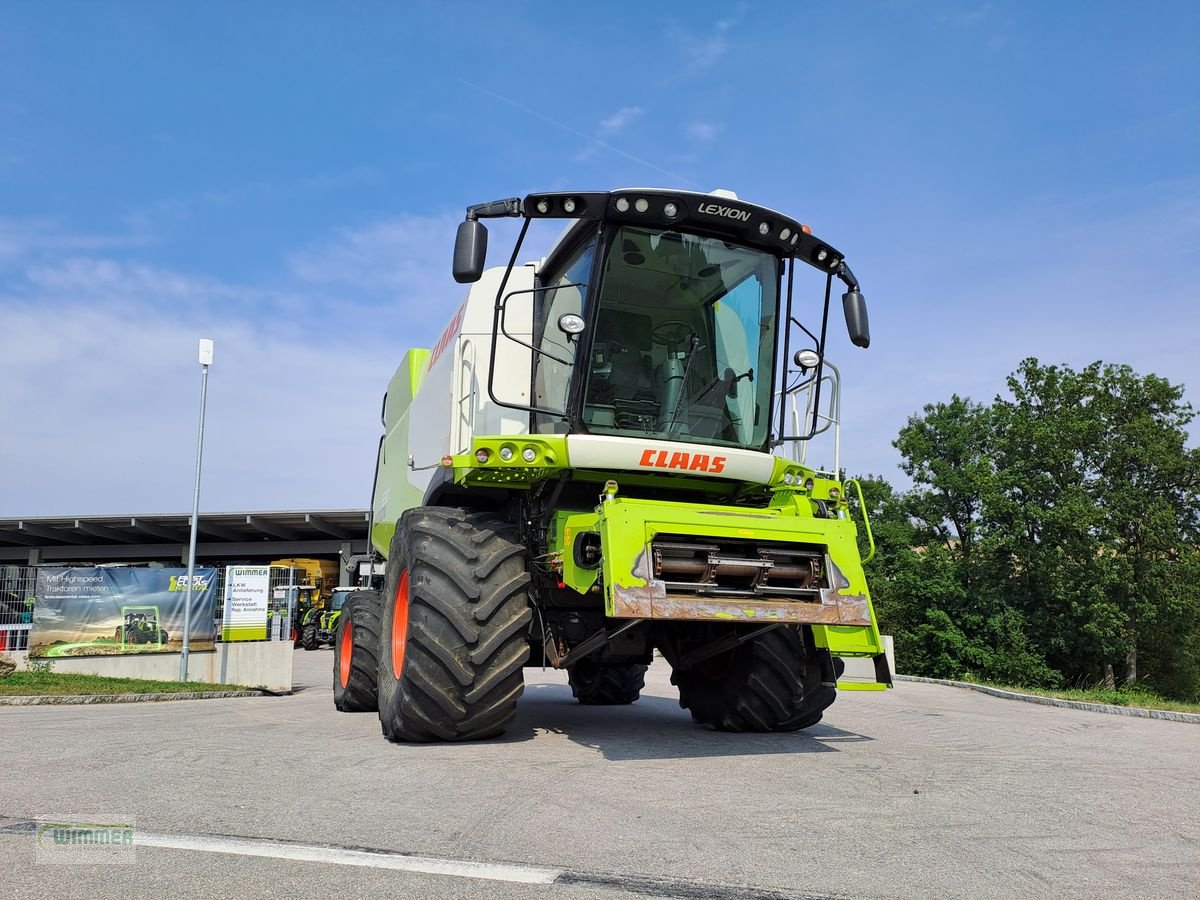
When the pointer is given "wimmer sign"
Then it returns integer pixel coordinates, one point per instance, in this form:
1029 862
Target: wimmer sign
247 591
109 611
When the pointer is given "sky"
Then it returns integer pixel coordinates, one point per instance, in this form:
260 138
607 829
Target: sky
1007 180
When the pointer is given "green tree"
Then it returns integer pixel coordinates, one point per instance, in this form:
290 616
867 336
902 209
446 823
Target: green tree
1100 502
1049 536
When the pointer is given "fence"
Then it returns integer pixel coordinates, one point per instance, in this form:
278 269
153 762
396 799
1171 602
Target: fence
17 586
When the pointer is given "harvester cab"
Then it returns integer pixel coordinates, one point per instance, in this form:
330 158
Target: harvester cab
605 453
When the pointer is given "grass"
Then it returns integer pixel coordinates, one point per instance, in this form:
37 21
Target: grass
1122 696
30 684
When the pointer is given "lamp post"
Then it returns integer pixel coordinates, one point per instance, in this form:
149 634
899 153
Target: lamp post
206 358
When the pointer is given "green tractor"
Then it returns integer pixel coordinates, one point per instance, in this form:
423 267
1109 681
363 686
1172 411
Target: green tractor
320 623
140 627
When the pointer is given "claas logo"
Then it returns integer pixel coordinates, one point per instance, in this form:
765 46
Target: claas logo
180 583
688 462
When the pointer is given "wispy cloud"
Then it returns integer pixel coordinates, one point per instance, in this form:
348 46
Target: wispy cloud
25 239
678 179
1074 300
396 254
703 131
103 348
117 390
181 207
620 120
701 50
966 17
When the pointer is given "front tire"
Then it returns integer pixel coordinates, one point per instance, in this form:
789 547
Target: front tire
596 685
455 620
817 696
757 686
308 637
356 654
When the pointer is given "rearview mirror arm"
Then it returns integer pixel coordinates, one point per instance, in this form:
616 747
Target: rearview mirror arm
496 209
843 272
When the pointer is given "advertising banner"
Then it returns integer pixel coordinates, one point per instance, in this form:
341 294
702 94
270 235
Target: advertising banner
106 611
247 592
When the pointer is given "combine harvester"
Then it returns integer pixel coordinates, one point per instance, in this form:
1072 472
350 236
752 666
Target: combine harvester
604 454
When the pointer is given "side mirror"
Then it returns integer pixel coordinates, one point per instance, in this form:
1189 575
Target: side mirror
470 251
854 305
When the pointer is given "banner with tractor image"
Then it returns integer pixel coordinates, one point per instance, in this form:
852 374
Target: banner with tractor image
106 611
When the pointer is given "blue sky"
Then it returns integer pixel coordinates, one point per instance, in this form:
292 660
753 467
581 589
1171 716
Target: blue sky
1007 179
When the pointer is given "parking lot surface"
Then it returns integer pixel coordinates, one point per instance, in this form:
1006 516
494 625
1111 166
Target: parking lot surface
921 791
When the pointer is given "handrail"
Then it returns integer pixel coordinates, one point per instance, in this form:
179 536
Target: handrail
862 506
824 420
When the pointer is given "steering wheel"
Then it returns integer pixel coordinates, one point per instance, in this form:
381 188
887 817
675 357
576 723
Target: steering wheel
672 331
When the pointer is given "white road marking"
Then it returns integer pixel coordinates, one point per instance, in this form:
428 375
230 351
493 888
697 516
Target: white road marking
344 857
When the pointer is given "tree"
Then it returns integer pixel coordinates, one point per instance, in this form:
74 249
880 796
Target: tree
1051 535
946 453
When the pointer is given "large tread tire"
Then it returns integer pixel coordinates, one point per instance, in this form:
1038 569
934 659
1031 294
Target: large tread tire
758 686
356 654
818 697
456 616
594 685
308 637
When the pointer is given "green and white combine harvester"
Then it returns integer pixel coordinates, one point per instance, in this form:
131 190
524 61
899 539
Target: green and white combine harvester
604 455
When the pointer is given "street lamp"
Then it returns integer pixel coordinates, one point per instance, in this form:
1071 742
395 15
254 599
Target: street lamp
206 358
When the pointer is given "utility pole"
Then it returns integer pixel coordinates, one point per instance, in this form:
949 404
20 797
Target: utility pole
206 358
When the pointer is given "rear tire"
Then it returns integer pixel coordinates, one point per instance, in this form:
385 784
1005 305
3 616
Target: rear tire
308 637
456 617
356 654
757 686
596 685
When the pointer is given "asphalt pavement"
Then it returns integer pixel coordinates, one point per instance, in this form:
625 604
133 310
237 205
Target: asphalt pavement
921 791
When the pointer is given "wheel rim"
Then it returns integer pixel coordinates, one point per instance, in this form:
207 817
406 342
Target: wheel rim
347 649
400 624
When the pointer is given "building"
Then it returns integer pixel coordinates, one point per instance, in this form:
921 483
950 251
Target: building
253 538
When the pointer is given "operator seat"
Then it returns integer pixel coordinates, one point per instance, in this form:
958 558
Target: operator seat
623 373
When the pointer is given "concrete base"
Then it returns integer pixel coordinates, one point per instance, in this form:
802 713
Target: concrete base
266 664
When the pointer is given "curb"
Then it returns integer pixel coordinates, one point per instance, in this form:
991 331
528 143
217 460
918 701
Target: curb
82 699
1139 712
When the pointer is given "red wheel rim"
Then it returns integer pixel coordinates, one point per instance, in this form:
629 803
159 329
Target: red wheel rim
347 648
400 624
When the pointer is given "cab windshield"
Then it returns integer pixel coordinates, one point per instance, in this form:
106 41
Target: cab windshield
684 340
